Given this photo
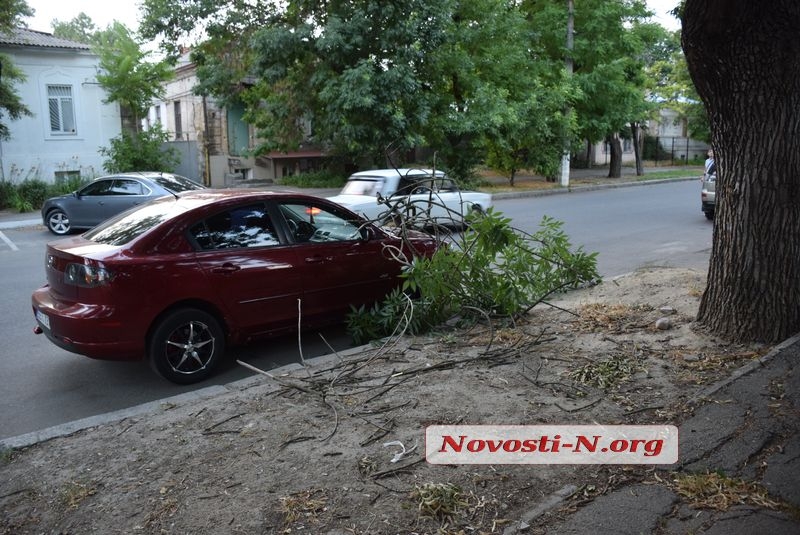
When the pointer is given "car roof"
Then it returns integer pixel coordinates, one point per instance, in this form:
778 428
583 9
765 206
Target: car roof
384 173
137 174
212 194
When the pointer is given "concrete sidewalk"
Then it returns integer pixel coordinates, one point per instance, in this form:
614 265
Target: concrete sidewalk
745 427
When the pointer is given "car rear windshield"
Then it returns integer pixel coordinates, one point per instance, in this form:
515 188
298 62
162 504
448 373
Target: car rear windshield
133 223
176 183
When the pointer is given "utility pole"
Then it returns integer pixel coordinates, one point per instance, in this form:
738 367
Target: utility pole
564 176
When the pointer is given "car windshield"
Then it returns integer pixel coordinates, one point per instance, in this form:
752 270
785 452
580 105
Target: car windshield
130 224
363 186
176 183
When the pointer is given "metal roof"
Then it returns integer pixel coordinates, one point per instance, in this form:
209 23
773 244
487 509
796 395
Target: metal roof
25 37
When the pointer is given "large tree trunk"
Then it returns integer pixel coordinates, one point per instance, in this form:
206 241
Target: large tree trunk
744 58
615 160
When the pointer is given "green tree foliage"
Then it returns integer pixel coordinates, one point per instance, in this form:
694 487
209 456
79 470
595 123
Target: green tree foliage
127 75
353 69
370 75
11 104
492 96
493 271
669 83
467 79
611 42
531 135
12 13
140 151
81 29
218 32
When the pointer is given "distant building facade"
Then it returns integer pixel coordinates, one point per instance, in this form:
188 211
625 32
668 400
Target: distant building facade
214 142
70 121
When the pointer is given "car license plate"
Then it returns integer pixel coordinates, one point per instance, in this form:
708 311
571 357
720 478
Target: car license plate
43 319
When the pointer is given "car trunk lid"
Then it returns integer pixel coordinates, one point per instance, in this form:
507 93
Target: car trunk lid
82 255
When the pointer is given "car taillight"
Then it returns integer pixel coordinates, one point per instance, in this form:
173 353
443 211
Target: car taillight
86 276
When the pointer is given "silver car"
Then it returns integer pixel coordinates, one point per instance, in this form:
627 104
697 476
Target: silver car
107 196
428 193
708 195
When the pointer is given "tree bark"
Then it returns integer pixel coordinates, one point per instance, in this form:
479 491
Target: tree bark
636 134
744 58
615 159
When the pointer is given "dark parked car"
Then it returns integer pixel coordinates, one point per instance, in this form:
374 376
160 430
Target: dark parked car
178 279
107 196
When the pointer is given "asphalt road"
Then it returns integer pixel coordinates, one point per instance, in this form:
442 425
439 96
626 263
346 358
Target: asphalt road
653 225
630 227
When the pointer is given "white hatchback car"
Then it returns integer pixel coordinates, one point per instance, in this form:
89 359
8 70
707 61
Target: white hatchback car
427 196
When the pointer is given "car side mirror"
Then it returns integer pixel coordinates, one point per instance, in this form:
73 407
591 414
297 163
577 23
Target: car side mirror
365 233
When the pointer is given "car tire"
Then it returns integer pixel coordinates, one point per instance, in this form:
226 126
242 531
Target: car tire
186 346
709 214
58 222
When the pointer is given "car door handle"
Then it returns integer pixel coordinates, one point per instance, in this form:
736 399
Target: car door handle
226 268
318 259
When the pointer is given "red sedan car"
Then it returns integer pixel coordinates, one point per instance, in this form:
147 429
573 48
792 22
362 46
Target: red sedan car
179 278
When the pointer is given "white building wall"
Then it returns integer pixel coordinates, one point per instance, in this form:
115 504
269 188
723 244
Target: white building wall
33 152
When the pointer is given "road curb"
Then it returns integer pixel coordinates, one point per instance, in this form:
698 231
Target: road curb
748 368
589 187
153 407
6 225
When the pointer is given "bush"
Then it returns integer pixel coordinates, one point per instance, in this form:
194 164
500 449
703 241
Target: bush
68 185
315 179
143 151
7 193
494 271
30 195
652 150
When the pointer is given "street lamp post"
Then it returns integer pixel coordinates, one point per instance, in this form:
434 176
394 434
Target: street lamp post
564 175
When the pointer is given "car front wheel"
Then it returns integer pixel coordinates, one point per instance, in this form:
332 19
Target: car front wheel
58 222
186 346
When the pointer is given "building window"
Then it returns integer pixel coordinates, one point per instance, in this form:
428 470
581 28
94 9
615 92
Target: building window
158 114
178 120
62 109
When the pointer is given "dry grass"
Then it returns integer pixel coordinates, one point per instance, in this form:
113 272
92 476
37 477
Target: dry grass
74 493
613 318
304 505
438 500
718 492
607 373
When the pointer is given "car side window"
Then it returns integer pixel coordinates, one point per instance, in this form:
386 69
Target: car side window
445 184
126 187
405 186
101 187
308 222
241 227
